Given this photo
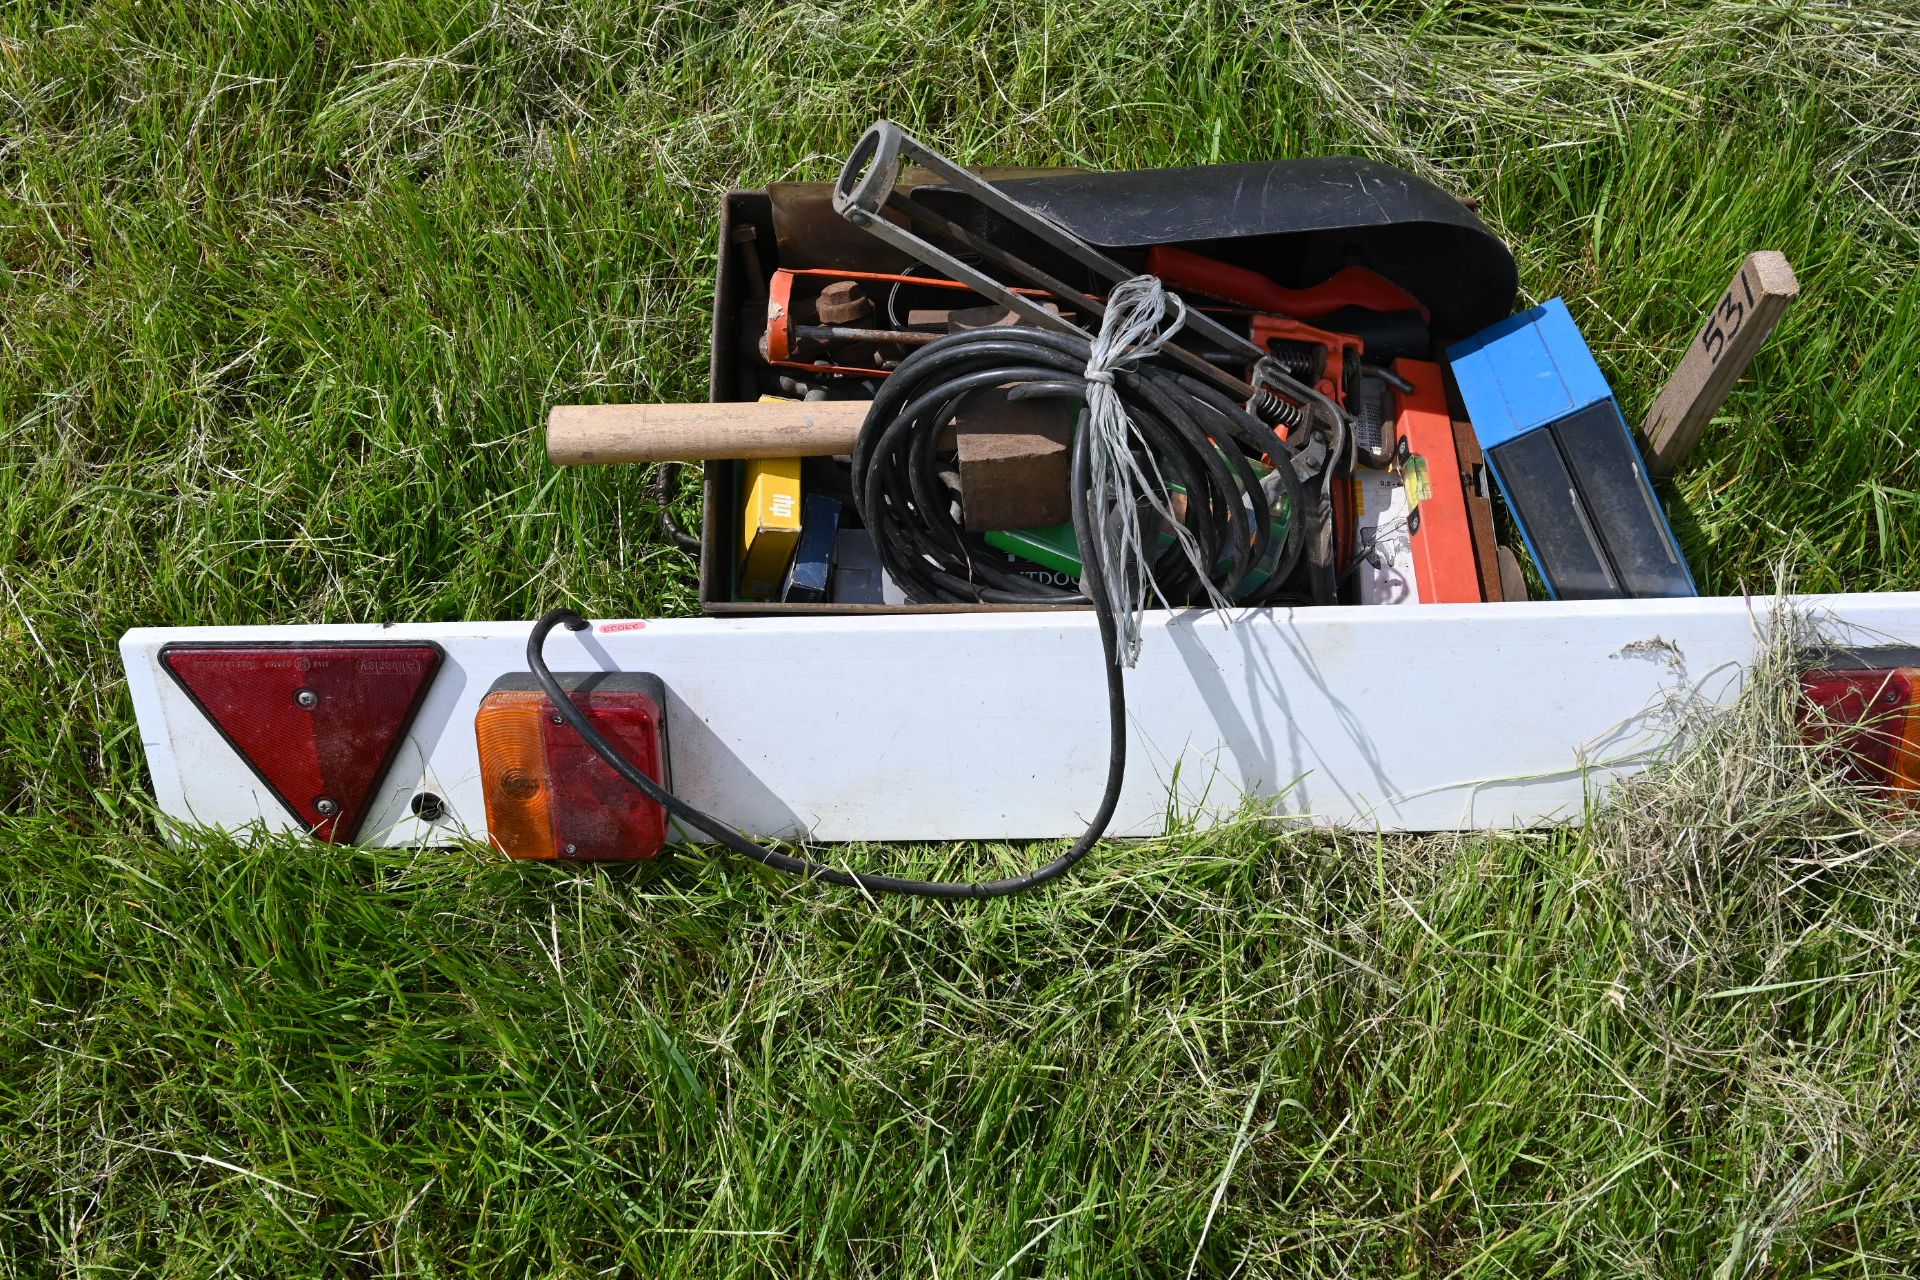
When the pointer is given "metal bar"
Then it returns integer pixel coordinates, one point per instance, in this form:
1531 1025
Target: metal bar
873 169
891 140
842 333
1194 364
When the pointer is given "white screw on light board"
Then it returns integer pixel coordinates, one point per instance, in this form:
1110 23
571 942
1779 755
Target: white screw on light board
306 698
325 807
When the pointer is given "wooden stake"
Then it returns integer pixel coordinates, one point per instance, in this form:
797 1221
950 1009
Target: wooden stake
1735 328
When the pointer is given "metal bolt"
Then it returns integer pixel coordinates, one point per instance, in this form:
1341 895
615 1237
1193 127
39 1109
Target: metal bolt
325 808
559 719
843 302
747 236
573 848
428 807
306 699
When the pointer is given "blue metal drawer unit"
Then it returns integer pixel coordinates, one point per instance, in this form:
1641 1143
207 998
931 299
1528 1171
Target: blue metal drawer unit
1565 461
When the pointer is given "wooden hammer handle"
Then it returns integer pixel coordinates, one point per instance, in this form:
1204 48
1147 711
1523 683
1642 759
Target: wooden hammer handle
581 434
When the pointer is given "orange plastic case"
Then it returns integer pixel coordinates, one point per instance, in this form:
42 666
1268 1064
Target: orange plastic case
1445 563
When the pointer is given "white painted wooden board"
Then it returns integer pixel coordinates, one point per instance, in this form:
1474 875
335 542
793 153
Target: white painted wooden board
987 726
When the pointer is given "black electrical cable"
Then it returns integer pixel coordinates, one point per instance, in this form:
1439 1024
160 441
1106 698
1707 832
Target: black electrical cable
1200 442
870 882
907 509
665 476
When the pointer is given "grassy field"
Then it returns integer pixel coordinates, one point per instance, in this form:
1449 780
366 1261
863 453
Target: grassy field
286 290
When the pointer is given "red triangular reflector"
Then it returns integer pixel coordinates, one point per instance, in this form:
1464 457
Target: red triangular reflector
317 723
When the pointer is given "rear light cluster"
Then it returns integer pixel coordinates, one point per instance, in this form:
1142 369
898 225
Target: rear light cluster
321 723
548 795
1868 719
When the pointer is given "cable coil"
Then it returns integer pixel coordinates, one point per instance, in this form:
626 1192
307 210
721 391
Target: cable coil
1227 505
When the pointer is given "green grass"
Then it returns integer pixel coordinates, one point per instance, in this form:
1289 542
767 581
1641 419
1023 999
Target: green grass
285 296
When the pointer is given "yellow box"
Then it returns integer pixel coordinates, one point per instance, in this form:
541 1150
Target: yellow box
770 525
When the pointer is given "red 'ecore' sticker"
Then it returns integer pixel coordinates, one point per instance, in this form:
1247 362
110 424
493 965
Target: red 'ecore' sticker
606 627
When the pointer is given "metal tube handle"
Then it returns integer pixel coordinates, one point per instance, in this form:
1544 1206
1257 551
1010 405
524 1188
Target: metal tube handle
870 174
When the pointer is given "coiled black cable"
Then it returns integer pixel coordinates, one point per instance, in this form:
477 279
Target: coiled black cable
1201 444
908 511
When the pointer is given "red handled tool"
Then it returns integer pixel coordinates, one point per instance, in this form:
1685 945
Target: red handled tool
1186 270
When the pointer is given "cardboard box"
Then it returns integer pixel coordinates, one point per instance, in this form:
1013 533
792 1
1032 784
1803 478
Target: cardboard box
769 525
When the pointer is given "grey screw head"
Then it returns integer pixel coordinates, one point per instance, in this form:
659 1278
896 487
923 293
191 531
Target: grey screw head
573 848
306 699
325 807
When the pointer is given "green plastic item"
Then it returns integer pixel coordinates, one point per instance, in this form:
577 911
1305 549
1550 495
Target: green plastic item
1054 547
1051 546
1263 569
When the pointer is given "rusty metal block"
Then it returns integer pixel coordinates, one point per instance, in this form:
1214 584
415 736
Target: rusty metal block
1014 461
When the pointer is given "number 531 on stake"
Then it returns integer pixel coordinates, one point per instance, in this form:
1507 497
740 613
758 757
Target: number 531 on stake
1735 328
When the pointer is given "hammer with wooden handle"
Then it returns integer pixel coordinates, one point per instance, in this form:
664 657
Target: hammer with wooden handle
583 434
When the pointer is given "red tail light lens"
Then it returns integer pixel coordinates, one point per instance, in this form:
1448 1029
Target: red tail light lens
548 795
1868 718
319 724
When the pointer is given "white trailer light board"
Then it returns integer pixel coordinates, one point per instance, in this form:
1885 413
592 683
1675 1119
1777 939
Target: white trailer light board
993 726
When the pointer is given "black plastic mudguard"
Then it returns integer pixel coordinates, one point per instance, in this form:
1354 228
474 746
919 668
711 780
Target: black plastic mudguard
1295 221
